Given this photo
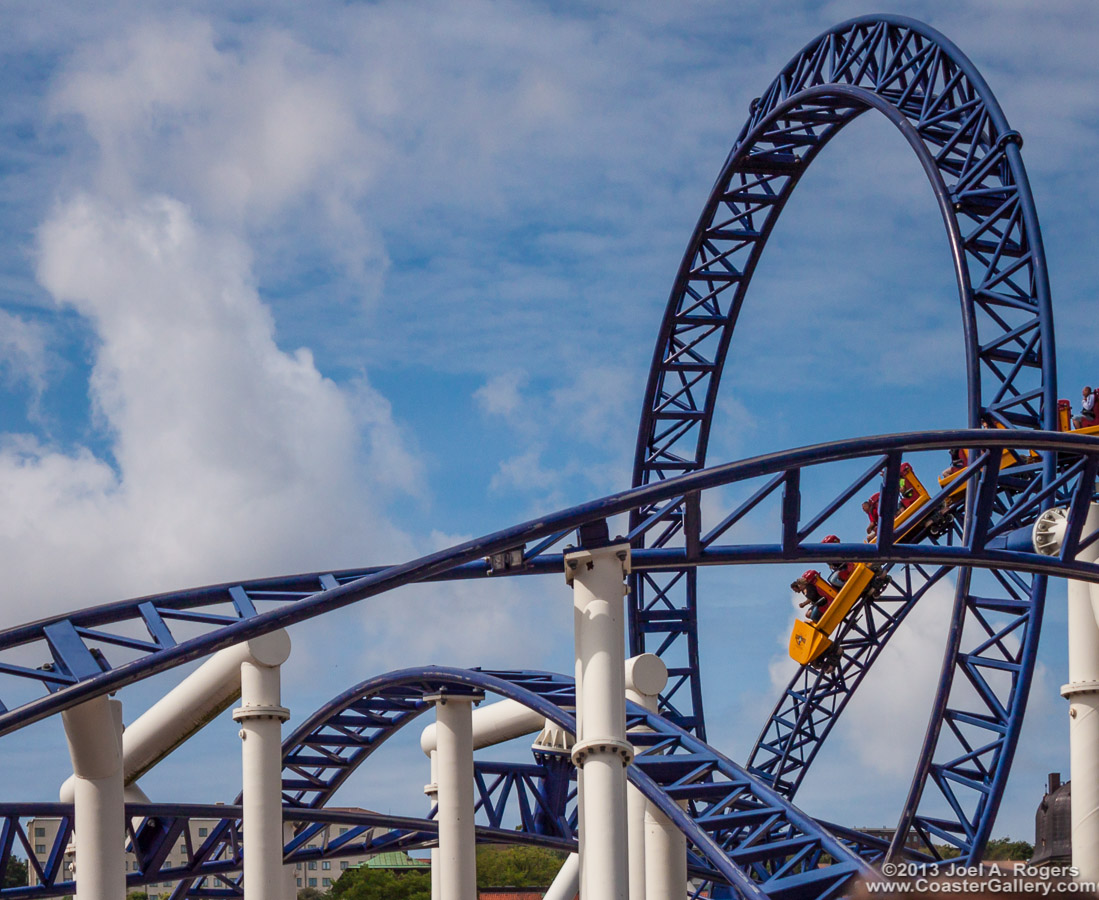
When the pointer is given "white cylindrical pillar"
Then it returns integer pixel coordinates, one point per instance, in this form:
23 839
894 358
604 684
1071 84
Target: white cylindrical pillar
566 883
261 715
457 853
601 751
189 706
665 857
289 873
1082 692
654 840
94 732
431 789
493 723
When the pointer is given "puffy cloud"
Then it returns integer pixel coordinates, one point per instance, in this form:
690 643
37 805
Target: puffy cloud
227 455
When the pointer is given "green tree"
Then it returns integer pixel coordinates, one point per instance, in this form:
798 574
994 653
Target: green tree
137 895
1006 848
16 874
382 884
312 893
518 866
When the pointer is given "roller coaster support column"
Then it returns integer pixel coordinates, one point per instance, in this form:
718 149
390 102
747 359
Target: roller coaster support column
457 856
1082 690
94 732
431 789
601 752
188 707
261 715
658 849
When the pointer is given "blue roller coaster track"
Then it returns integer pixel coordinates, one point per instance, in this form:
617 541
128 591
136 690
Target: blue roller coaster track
742 826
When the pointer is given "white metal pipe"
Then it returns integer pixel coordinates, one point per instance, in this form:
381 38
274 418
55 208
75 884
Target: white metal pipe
1082 692
261 716
94 733
636 805
646 677
566 883
203 695
665 857
432 791
493 723
454 778
601 750
289 873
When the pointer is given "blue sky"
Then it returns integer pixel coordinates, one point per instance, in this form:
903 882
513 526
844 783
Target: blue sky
287 289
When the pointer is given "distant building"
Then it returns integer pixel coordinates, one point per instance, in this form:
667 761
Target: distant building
396 861
317 873
1053 824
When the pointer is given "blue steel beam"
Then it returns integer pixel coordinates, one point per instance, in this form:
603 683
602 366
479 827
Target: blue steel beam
740 830
941 104
66 642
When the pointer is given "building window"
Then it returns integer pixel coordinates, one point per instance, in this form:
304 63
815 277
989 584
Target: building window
202 832
312 864
39 832
312 882
326 865
343 865
39 848
343 831
326 882
183 848
297 866
299 882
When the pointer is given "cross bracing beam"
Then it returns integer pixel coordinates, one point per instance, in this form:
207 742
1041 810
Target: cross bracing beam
75 651
740 831
935 96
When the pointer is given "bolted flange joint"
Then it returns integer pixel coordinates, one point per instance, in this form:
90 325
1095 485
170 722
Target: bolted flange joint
261 712
472 696
621 749
1079 687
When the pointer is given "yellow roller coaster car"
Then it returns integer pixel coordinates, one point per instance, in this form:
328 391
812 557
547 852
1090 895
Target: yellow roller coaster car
810 641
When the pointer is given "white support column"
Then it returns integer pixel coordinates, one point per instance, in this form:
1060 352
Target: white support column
431 789
457 854
94 732
289 873
601 750
261 715
658 850
566 883
1082 690
665 857
189 706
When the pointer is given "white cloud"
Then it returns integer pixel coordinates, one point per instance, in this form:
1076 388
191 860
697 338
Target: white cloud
228 456
500 395
25 352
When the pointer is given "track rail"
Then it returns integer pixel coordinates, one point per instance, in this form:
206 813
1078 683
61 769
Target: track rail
74 652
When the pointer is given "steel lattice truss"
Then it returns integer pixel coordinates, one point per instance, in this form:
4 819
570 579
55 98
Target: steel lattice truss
740 831
683 515
934 95
1004 503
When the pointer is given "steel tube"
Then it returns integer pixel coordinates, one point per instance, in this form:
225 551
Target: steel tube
94 733
601 750
457 854
1082 692
658 849
261 715
566 883
189 706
